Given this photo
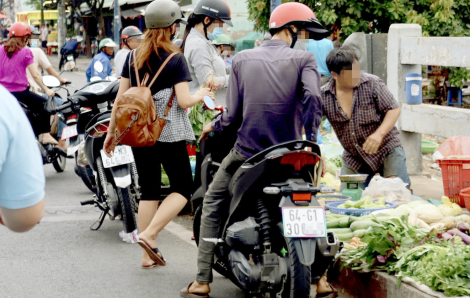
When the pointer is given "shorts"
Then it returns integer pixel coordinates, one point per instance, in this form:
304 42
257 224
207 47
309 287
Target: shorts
175 160
394 165
44 43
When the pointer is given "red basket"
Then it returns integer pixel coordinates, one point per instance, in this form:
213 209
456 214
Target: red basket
465 195
455 177
191 150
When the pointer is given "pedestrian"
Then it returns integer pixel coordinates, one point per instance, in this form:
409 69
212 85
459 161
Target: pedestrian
42 63
320 49
131 38
161 17
107 50
271 109
205 25
44 33
363 113
22 178
69 48
14 60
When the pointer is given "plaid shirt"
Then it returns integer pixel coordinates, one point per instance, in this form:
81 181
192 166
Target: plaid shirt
371 101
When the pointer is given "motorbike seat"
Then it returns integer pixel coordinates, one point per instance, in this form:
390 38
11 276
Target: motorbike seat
98 118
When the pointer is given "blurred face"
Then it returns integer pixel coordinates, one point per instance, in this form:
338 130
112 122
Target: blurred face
109 50
349 77
134 42
216 23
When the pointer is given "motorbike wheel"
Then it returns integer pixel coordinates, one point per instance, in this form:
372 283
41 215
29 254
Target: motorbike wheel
85 178
127 209
59 164
298 275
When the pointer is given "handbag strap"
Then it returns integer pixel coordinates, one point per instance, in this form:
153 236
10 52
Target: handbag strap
161 68
170 104
123 134
136 70
146 75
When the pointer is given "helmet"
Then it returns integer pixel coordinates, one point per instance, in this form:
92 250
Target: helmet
34 31
223 40
216 9
299 15
19 29
162 14
107 42
130 31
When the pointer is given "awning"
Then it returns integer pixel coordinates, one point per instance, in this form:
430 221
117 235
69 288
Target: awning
2 16
134 13
188 8
109 3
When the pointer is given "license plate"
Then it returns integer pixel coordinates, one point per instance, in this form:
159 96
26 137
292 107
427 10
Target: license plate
69 131
70 58
304 222
122 155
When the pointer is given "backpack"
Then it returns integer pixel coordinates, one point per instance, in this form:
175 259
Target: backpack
137 121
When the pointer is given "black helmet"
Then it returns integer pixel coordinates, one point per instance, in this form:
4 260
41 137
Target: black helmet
130 31
216 9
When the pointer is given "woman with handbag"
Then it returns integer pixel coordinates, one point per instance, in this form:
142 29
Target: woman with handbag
171 94
15 58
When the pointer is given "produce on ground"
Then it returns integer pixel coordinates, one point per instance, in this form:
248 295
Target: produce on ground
364 203
331 181
449 208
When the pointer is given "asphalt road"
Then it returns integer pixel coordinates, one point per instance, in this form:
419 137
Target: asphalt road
62 257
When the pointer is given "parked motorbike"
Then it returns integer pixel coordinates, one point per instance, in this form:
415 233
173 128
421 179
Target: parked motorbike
273 237
114 179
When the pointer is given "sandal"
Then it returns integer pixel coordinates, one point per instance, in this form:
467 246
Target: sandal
185 293
332 294
153 253
149 266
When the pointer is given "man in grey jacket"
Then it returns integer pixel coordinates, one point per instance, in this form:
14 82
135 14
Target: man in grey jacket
273 92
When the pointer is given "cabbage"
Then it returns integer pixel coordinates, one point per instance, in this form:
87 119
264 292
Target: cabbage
415 204
401 210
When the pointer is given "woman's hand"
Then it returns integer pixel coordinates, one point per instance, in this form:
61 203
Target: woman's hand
49 92
203 92
63 81
107 143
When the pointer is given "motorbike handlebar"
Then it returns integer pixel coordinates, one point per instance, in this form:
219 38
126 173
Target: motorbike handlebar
63 107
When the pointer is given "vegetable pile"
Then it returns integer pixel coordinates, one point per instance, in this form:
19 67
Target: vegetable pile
364 203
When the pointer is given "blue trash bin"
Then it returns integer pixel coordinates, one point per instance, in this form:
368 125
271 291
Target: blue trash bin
414 93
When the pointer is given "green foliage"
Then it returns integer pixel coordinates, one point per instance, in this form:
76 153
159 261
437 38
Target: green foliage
199 117
458 75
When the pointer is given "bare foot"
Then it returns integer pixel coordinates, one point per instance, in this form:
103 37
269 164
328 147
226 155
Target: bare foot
146 260
323 286
62 145
199 288
48 139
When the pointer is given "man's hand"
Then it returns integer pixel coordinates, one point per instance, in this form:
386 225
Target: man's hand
50 93
373 142
63 81
207 129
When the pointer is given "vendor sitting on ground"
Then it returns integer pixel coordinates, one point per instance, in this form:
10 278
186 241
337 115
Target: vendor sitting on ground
363 113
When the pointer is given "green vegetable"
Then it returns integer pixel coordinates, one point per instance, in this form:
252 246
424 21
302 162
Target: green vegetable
199 117
364 203
340 231
345 237
344 223
334 223
359 233
362 225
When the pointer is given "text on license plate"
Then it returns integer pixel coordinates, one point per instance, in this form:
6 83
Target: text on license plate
69 131
122 155
304 222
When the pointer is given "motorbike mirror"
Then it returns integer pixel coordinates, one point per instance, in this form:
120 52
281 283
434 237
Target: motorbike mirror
208 102
98 66
50 81
94 79
69 65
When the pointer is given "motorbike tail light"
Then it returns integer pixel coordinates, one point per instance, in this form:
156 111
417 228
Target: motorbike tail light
72 117
100 130
301 197
299 159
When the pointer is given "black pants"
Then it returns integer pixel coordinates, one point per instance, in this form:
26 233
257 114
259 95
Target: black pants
175 160
40 123
63 57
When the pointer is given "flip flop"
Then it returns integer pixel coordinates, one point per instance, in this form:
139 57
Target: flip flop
328 294
150 266
185 293
153 253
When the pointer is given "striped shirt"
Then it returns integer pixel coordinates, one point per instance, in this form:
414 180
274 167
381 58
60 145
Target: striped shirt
371 101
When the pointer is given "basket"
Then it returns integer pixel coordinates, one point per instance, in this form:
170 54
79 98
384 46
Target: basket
356 212
428 147
465 196
455 177
341 199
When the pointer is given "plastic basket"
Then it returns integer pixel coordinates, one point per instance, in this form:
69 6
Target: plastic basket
356 212
428 147
455 177
341 199
465 196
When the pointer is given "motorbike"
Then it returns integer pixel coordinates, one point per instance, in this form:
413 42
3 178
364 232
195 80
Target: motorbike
273 237
50 153
113 179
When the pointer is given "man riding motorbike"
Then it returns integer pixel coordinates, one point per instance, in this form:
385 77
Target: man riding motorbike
70 48
271 109
107 50
131 37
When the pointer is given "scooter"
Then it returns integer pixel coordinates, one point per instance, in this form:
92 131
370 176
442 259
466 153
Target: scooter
115 179
273 237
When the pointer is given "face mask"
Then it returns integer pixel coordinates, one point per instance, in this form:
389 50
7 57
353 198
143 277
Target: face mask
34 43
174 36
218 31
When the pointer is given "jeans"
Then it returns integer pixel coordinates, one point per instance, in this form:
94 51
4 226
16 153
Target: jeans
61 123
214 201
394 165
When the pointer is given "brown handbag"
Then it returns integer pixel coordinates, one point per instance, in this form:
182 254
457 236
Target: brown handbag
137 121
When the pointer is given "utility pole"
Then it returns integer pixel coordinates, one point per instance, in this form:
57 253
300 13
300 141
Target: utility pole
42 12
274 4
61 26
117 25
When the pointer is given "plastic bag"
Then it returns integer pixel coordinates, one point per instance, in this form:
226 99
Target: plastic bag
449 208
82 160
393 189
455 147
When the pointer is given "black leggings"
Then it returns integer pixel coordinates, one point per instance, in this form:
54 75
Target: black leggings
41 123
175 160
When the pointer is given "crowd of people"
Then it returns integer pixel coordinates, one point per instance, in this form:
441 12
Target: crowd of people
274 93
